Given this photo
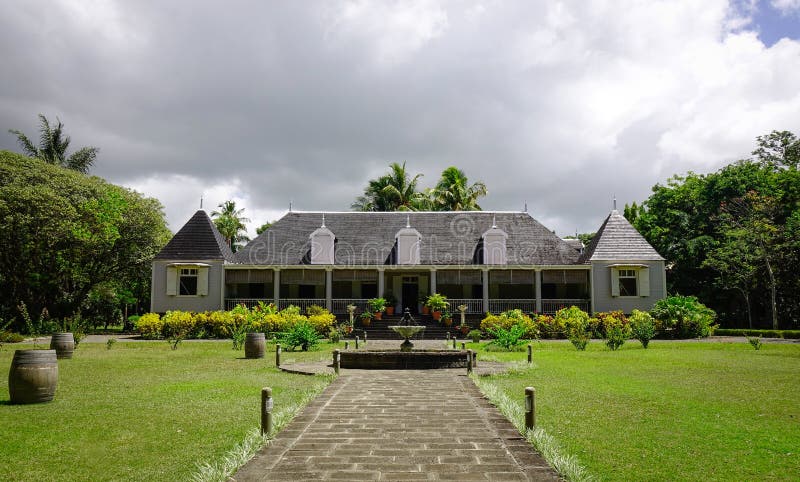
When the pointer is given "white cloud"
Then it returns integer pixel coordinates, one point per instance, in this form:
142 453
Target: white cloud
786 7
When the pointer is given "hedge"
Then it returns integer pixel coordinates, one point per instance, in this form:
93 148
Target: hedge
788 334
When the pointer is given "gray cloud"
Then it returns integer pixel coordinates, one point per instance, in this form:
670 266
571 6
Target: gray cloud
561 106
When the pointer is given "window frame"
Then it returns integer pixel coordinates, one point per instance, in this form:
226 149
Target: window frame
192 272
628 274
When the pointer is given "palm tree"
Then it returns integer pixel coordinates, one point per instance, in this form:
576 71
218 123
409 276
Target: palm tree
230 224
453 192
53 146
394 191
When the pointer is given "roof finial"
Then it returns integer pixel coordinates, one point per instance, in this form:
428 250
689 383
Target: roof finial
494 220
323 220
201 201
615 202
408 220
290 205
526 207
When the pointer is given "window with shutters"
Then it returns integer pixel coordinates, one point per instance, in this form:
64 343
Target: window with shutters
187 284
627 282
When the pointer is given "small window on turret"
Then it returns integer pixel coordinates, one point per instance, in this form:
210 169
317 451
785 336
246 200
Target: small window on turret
188 282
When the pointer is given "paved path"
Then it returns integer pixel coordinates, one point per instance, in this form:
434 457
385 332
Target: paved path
398 425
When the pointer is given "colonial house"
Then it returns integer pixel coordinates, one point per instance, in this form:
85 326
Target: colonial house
488 261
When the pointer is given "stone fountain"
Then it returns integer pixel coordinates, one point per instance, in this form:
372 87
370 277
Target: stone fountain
407 332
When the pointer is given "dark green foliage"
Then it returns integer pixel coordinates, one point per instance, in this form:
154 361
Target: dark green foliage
302 334
643 327
732 236
787 334
683 317
230 223
755 342
63 234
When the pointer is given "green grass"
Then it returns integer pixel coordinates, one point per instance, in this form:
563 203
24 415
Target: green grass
141 411
676 411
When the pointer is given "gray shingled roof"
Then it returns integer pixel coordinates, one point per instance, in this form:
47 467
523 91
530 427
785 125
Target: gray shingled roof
197 239
617 240
368 238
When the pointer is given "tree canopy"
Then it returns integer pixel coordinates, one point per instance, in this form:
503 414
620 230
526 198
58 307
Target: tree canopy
398 191
65 234
53 145
731 237
230 223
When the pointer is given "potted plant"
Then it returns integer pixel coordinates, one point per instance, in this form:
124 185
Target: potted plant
437 304
391 301
447 318
366 318
376 306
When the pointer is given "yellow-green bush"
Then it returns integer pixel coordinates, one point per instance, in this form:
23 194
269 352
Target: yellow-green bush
149 326
322 322
177 323
507 319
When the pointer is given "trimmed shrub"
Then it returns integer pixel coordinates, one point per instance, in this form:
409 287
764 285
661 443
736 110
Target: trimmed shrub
683 317
599 323
149 326
643 328
576 325
475 336
788 334
755 342
506 320
616 331
549 327
508 339
301 334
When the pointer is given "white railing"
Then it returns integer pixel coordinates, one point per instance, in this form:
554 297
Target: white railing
499 306
301 303
340 305
473 305
231 303
549 307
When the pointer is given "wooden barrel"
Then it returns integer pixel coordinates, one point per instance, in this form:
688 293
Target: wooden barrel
254 345
33 376
63 344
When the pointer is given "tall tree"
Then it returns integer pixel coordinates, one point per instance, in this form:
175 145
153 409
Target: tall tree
230 223
394 191
53 145
64 234
454 193
264 227
778 149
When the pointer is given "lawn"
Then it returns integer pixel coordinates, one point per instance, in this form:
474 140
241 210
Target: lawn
676 411
141 411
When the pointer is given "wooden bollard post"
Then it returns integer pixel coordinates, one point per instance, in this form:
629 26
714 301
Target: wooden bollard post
530 408
475 359
278 355
530 354
346 345
365 337
463 345
266 410
356 343
447 336
454 343
469 362
336 361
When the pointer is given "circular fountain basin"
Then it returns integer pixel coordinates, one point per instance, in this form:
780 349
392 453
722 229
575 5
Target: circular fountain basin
407 331
403 360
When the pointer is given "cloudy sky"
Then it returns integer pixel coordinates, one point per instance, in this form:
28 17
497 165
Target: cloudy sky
558 104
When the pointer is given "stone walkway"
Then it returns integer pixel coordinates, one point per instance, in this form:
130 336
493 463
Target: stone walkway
398 425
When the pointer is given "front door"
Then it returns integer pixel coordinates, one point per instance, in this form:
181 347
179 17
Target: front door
410 294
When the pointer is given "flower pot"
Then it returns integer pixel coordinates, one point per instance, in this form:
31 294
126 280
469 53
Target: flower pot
447 321
33 376
437 315
366 321
425 310
378 315
390 310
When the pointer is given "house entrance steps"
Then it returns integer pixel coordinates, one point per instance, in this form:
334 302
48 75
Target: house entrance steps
398 425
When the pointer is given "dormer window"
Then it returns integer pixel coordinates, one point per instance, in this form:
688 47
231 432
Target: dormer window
494 245
408 244
322 245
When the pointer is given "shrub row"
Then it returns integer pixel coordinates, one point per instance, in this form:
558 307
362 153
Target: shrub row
788 334
227 324
673 317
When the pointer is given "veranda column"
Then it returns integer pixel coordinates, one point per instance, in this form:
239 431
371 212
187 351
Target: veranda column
485 290
433 281
329 289
538 282
276 287
380 283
